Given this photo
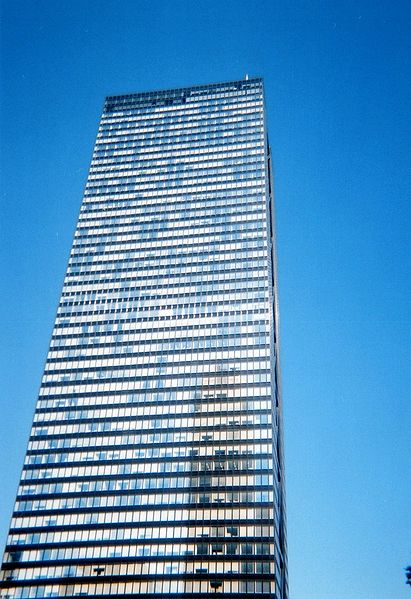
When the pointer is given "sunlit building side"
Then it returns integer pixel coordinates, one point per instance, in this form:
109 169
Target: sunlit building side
155 461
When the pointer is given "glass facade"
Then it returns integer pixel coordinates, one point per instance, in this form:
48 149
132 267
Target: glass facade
155 463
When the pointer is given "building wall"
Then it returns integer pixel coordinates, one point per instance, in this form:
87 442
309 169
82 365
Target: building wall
155 459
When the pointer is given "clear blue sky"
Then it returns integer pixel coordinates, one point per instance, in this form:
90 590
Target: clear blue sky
338 95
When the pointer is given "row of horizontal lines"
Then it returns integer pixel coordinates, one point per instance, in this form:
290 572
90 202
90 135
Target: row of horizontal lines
198 514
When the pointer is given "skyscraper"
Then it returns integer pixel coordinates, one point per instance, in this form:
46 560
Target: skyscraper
155 463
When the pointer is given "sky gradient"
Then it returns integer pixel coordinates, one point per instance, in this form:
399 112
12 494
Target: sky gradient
338 100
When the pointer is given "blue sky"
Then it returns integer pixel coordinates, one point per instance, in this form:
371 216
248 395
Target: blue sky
338 99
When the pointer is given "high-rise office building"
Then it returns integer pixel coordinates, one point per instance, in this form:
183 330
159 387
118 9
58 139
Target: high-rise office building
155 463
